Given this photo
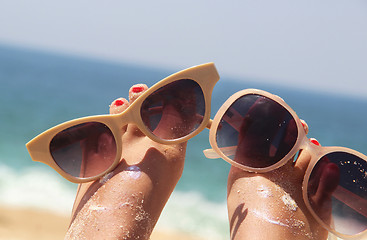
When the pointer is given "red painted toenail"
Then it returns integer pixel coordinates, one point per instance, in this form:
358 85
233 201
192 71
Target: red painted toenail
314 141
119 102
137 89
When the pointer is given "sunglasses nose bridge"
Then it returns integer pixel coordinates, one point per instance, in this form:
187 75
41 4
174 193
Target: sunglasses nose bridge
313 149
125 118
306 144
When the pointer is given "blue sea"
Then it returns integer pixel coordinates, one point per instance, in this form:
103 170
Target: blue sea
41 89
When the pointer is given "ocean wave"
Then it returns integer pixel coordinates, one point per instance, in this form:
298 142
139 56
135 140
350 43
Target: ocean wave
192 213
35 187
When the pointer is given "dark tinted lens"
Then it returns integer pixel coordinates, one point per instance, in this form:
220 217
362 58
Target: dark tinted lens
259 130
337 192
175 110
84 150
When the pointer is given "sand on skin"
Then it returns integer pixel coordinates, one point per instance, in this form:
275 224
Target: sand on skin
35 224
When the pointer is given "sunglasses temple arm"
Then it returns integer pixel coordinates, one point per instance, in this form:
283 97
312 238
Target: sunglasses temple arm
208 126
227 151
211 154
352 200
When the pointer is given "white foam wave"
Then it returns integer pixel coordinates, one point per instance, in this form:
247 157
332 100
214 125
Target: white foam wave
34 187
190 212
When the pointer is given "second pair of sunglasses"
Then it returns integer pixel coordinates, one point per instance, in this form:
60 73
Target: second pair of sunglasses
257 131
171 111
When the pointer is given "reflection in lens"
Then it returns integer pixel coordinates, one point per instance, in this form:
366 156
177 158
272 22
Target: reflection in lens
175 110
260 129
337 192
84 150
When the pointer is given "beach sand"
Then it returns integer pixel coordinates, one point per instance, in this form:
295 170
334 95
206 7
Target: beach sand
36 224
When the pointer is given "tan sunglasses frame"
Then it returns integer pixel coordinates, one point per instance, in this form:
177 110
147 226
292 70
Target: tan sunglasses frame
302 143
205 75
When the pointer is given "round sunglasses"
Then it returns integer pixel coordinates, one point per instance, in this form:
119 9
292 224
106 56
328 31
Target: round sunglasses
258 132
170 112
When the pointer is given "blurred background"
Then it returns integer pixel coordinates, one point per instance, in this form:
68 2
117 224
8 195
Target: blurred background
63 60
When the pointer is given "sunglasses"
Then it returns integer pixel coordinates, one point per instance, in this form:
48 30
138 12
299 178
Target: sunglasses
258 132
170 112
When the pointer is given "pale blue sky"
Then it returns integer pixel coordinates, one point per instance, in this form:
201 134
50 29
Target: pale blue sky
318 44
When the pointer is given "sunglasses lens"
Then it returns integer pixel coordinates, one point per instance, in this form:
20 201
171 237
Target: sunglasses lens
337 192
84 150
259 131
175 110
